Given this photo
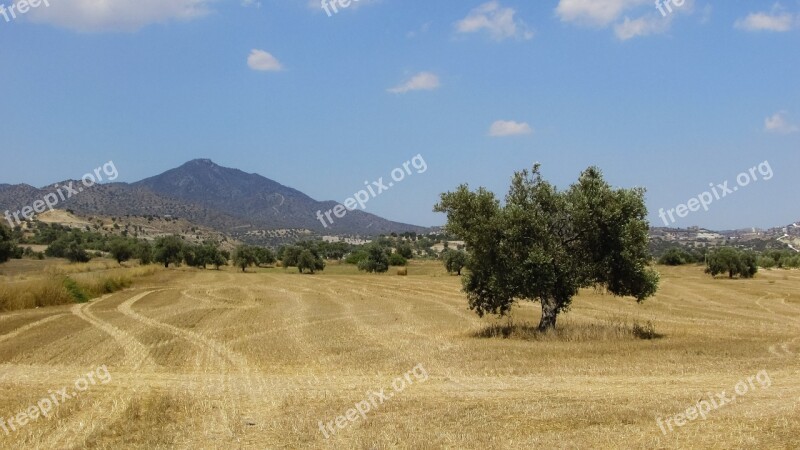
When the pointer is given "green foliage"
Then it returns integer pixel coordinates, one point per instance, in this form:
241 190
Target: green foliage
8 248
405 250
76 253
290 256
144 252
544 244
244 257
356 257
733 262
376 260
766 262
454 260
396 259
676 256
75 291
265 256
333 250
122 249
310 261
169 250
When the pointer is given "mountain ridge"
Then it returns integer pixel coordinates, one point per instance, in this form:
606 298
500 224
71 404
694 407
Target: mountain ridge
226 199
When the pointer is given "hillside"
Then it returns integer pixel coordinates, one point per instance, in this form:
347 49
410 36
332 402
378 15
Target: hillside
247 206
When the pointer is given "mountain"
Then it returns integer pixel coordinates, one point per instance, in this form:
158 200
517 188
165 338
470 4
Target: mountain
229 200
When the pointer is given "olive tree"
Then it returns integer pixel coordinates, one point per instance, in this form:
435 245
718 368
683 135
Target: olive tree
544 245
244 257
375 260
454 260
308 260
733 262
169 250
7 244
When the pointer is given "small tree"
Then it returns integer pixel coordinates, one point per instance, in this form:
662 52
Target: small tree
748 264
733 262
544 244
290 256
169 250
244 257
122 249
212 254
144 252
76 253
376 260
7 244
265 256
193 255
309 261
454 261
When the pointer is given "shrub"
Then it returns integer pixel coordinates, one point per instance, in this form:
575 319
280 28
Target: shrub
676 257
396 259
356 257
376 261
75 291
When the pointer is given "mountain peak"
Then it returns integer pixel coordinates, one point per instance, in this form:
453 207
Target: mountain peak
202 162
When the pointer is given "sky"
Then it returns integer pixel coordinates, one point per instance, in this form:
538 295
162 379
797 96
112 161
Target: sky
678 98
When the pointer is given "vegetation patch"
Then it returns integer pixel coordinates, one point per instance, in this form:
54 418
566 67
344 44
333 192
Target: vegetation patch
611 330
75 291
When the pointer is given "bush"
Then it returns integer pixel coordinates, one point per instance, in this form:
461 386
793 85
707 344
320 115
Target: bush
766 262
376 261
676 257
77 254
396 259
356 257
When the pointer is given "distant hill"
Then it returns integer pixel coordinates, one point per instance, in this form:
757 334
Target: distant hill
751 238
237 203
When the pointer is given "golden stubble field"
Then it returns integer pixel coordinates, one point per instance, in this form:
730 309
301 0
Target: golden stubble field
224 359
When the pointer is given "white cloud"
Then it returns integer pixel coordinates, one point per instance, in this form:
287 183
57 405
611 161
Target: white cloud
503 128
263 61
423 81
497 21
643 26
595 12
116 15
773 21
251 3
778 123
646 18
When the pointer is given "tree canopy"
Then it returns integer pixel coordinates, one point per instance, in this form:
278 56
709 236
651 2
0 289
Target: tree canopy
169 250
375 259
7 244
544 245
733 262
454 260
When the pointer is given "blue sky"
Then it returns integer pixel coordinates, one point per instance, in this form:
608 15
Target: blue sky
480 89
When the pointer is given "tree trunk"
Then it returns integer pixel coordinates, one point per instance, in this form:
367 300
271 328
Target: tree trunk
549 314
